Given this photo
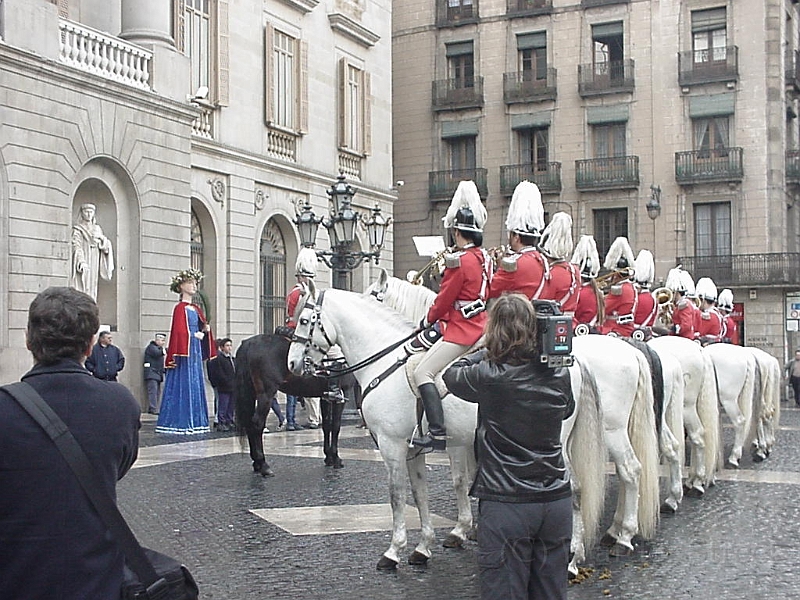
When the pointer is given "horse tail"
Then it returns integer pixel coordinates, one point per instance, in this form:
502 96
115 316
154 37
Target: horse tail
642 433
708 413
748 399
587 451
774 392
244 393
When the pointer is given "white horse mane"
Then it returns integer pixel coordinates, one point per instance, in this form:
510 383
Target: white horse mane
412 301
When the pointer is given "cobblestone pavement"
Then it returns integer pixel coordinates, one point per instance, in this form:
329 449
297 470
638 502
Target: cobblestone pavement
192 498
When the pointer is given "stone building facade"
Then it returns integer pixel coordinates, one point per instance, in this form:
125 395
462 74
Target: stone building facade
197 128
687 108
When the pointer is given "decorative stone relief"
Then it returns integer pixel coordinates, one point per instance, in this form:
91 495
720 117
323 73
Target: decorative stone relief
218 190
260 199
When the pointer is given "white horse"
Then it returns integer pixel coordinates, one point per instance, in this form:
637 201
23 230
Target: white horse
350 320
768 403
700 409
622 378
736 375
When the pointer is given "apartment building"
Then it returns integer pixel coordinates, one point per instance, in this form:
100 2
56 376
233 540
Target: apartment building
671 122
198 128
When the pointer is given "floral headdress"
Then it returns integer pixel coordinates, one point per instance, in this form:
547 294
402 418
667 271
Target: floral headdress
185 275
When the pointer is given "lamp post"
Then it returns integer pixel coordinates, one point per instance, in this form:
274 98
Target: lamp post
341 225
654 203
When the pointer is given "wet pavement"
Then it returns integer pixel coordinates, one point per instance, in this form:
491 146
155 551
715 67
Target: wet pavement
317 533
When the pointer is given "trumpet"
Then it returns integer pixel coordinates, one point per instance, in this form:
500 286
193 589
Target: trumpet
604 282
437 260
664 296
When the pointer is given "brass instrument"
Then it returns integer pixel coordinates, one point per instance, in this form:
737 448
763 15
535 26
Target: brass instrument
604 282
437 260
664 296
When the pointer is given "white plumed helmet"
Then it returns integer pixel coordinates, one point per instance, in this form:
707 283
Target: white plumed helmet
586 257
306 264
525 212
466 211
557 237
706 289
644 268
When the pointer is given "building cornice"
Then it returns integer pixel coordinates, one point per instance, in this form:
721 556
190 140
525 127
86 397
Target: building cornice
349 28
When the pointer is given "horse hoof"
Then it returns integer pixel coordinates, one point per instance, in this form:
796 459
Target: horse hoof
453 541
338 464
619 550
418 559
693 492
386 564
667 509
328 462
266 471
732 465
472 534
608 540
758 457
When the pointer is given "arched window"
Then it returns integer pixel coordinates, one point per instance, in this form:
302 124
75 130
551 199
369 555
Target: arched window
198 252
273 290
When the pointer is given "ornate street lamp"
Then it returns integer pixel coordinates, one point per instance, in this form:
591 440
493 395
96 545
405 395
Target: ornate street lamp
341 225
653 205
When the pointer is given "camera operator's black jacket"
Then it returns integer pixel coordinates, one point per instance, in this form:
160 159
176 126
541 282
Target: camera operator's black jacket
520 410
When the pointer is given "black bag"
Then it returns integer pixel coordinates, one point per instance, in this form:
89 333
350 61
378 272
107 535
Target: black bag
178 583
148 575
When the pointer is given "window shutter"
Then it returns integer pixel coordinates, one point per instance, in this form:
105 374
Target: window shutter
178 24
302 87
223 54
342 108
269 74
367 98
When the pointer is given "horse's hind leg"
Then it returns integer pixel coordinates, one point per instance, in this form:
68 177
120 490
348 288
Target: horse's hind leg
731 405
327 424
419 489
255 439
336 426
394 453
462 470
626 517
697 458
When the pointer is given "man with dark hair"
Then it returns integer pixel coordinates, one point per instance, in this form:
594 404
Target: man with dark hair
154 371
52 541
222 376
106 359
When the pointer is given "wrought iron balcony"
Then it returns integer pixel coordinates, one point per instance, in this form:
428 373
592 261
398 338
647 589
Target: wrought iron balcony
793 71
526 8
458 93
705 166
614 173
451 13
793 167
546 175
605 78
591 3
745 270
707 66
524 87
442 184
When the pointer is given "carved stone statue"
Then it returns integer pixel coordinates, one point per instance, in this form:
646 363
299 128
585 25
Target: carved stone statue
92 253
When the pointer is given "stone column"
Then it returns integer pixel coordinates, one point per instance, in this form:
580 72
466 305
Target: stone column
147 23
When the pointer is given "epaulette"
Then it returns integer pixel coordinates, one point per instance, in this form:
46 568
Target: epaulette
615 290
453 261
682 303
509 263
705 316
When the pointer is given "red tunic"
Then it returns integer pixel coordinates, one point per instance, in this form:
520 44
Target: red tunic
696 315
620 307
646 309
731 330
291 304
710 325
526 279
562 284
461 285
586 310
179 335
683 319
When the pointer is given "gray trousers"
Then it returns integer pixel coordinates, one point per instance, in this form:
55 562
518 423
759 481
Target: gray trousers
523 549
153 394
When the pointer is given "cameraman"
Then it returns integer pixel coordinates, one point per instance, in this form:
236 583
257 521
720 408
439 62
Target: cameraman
522 482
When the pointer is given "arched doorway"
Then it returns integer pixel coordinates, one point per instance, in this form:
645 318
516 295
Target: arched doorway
272 278
198 260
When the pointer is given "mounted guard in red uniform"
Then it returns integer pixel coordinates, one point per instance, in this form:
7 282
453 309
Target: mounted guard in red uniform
459 309
644 272
590 312
681 284
730 328
562 279
711 321
620 300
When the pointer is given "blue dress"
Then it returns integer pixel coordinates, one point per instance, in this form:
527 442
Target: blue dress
183 405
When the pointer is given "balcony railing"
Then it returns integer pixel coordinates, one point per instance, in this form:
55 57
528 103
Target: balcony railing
451 13
704 166
103 55
525 8
524 87
605 78
545 175
458 93
745 270
793 71
793 167
618 172
707 66
442 184
591 3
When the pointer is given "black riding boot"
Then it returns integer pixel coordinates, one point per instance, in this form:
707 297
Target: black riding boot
432 403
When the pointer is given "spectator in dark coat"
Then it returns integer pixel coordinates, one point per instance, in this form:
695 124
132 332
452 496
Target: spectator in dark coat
221 375
154 371
106 359
52 541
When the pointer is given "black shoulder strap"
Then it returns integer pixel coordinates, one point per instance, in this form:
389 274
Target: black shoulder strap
30 400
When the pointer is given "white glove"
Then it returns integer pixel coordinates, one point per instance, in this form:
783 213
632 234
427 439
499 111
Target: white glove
199 335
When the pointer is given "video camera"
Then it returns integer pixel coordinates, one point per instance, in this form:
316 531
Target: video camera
554 337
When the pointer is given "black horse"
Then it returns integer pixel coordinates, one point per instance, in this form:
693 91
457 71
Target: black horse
260 372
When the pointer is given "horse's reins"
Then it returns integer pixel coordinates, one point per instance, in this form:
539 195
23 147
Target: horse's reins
309 343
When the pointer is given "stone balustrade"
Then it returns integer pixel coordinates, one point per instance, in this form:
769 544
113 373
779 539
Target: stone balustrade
95 52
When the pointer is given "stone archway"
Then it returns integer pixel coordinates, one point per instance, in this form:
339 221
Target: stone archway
273 277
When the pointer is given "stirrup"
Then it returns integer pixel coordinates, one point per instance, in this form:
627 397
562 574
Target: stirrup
336 397
429 441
